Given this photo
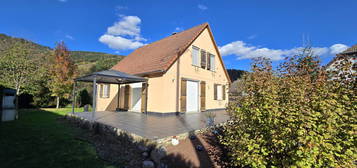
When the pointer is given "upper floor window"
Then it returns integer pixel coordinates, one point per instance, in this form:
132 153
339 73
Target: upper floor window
104 91
195 55
212 62
203 59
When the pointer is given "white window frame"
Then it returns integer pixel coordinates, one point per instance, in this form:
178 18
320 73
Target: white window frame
105 90
212 62
219 92
195 56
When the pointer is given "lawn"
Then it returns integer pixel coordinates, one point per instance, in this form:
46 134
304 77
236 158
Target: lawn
39 139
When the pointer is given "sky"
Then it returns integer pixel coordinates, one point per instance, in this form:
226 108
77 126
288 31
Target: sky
243 29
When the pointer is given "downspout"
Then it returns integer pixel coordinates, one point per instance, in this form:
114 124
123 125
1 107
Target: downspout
178 85
146 97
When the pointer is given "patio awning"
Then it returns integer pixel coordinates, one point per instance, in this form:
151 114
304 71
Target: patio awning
108 77
111 77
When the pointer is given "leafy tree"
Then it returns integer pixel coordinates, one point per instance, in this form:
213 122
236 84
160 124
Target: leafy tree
63 72
104 64
18 68
42 96
293 117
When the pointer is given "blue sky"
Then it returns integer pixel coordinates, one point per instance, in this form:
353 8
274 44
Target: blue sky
244 29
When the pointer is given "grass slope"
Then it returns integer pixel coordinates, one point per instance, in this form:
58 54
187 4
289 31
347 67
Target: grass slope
38 140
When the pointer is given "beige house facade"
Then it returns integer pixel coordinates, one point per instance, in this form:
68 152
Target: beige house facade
185 73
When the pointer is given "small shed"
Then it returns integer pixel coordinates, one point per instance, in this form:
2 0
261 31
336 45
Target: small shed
7 104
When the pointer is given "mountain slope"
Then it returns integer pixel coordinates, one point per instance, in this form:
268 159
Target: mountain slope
79 57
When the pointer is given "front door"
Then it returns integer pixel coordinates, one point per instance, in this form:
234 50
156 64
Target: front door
192 96
136 97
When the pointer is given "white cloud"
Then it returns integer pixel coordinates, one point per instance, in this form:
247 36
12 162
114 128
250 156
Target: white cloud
129 25
178 29
124 34
120 43
244 51
202 7
69 37
338 48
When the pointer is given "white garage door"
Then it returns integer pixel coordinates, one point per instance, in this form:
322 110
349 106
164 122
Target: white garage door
192 96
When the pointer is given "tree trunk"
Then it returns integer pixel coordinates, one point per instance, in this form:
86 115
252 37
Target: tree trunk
58 102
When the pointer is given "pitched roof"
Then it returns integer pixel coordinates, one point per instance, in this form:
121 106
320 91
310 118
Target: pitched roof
350 50
158 56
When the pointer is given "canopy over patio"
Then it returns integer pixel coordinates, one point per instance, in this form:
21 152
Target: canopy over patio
111 77
107 77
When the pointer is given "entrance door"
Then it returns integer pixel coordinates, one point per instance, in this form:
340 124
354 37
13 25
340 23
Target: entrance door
192 96
136 97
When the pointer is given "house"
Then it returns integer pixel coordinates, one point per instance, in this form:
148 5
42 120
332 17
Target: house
184 71
349 56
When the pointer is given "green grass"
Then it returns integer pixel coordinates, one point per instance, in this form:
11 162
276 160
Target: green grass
38 140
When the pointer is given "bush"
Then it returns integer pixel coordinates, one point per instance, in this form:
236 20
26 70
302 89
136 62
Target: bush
293 117
84 98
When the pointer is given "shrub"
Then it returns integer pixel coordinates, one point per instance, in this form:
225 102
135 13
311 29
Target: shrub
84 98
293 117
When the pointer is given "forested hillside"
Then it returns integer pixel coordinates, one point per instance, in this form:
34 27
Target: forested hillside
35 64
79 57
235 74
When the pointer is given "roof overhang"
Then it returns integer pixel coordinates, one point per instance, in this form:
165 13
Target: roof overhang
111 77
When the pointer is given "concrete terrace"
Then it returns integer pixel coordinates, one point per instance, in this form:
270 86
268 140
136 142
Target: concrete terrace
154 127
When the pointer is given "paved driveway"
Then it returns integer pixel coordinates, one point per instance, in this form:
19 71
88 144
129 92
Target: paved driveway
154 126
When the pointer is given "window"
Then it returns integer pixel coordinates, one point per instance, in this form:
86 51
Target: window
203 59
195 55
104 90
209 61
212 63
219 92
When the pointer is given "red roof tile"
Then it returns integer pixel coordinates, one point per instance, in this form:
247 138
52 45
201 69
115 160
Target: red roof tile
160 55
